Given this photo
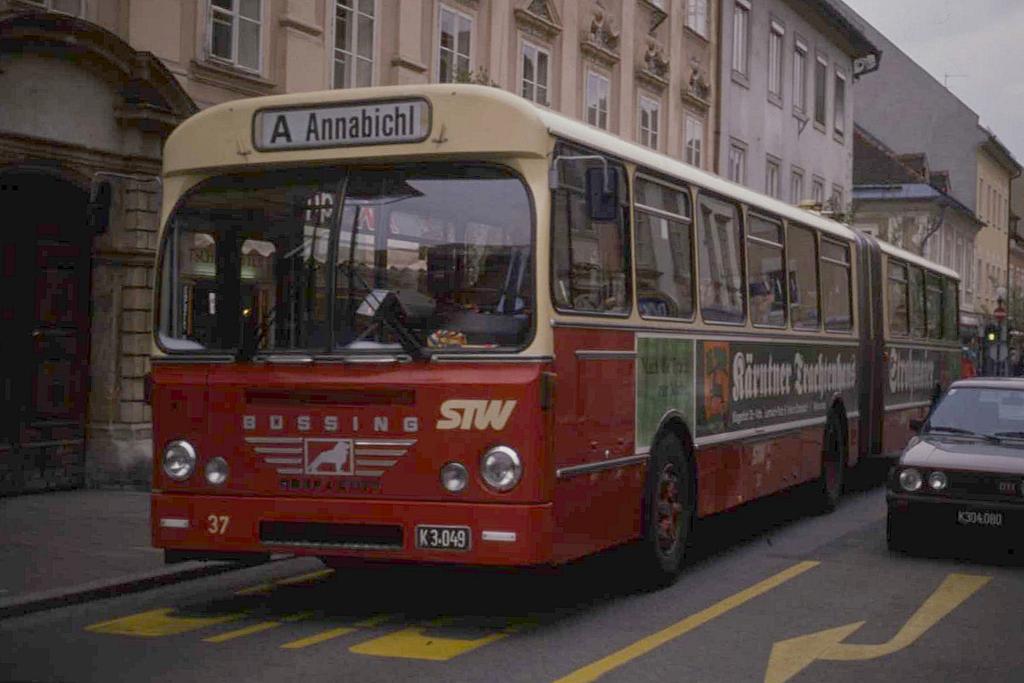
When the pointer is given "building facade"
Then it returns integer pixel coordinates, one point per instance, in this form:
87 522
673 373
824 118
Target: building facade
788 73
900 199
74 371
911 112
79 104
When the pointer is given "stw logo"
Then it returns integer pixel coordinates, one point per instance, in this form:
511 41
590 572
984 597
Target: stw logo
473 414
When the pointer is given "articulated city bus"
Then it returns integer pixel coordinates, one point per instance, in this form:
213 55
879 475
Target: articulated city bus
441 324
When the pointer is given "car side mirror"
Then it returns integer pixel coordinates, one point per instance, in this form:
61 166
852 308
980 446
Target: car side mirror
916 424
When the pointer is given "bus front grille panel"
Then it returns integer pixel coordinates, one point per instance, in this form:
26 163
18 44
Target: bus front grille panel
326 535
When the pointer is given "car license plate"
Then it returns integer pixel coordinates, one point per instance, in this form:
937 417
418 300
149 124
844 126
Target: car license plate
975 518
443 537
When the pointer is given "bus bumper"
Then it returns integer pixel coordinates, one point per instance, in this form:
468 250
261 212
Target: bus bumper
228 527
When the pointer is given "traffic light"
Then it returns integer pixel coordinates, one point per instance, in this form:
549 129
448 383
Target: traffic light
991 332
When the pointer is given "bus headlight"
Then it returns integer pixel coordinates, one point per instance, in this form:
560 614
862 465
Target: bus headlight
454 477
179 460
501 468
910 479
937 480
217 471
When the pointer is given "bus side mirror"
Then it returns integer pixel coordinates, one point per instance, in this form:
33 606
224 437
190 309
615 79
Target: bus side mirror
916 424
98 210
602 193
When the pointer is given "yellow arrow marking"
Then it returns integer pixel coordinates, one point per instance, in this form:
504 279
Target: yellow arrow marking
264 588
595 670
256 628
790 657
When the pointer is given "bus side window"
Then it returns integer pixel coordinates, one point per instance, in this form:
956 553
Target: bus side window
721 270
766 272
933 305
898 320
835 285
664 251
802 257
590 259
951 299
916 295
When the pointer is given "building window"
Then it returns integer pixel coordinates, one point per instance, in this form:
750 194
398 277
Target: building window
235 27
740 31
597 100
818 191
737 163
775 61
796 186
837 198
694 140
454 46
649 111
353 43
800 77
820 85
839 104
697 16
535 73
73 7
771 177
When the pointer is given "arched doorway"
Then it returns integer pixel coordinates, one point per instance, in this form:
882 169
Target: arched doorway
44 312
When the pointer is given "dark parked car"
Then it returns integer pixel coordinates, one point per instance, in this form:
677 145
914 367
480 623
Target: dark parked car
962 476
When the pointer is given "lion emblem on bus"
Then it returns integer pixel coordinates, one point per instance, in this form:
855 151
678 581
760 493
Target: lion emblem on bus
329 456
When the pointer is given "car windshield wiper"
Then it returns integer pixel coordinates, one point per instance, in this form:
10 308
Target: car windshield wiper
961 432
1008 435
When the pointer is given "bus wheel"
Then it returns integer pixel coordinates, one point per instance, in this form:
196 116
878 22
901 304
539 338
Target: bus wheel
829 486
669 511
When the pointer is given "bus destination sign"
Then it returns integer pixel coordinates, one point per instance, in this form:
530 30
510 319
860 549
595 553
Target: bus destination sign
366 123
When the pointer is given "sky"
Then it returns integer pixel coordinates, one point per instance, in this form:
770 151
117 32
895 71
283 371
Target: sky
975 47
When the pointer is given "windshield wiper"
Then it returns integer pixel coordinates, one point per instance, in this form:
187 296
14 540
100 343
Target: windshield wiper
961 432
1009 435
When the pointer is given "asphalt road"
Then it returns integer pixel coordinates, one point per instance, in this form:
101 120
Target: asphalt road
770 594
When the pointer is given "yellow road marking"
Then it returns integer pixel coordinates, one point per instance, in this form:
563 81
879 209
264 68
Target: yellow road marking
602 666
256 628
790 657
159 622
238 633
414 643
291 581
318 638
375 620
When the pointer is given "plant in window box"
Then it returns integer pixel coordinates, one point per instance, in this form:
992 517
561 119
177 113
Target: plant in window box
478 77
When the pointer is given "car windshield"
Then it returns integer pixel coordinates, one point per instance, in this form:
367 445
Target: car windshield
431 256
979 410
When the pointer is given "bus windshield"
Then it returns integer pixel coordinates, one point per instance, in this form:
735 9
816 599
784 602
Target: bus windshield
426 256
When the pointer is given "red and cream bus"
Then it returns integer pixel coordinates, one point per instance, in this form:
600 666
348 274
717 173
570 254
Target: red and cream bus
440 324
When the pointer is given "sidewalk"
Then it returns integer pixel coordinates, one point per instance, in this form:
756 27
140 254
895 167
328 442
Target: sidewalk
64 547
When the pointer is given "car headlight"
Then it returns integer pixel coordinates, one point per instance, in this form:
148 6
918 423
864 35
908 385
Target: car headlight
937 480
501 468
454 477
217 471
179 460
910 479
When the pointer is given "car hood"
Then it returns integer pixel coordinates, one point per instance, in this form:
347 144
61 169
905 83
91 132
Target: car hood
964 454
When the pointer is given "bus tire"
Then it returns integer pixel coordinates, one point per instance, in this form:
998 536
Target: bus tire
668 511
829 486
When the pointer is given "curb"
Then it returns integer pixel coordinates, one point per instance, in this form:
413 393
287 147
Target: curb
110 588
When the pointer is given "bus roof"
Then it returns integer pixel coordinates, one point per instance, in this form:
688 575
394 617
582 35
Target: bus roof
910 257
463 122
